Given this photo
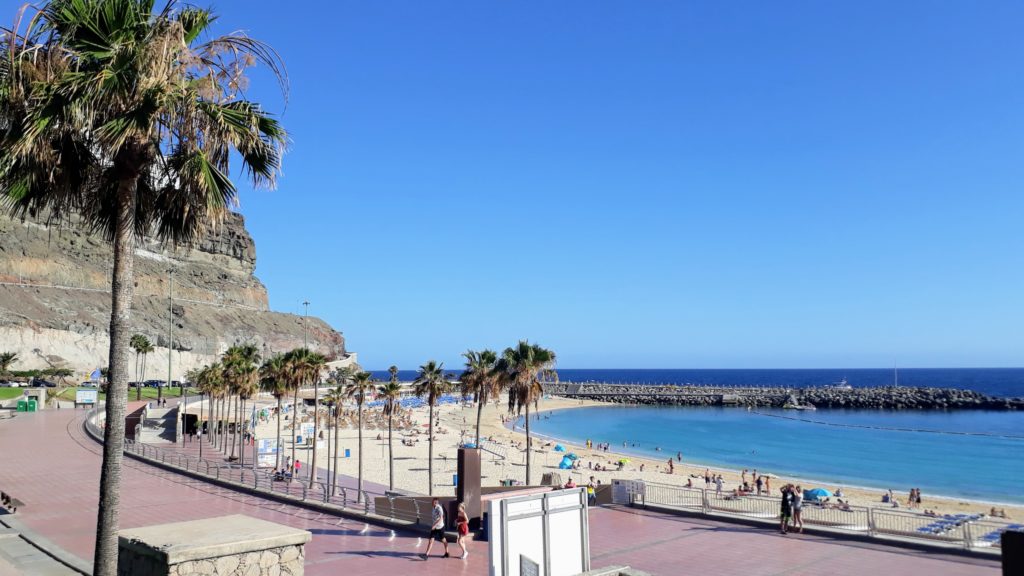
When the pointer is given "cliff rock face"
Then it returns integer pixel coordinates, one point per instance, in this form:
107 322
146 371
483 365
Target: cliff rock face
55 299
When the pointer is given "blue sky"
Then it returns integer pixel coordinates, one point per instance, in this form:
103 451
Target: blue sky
650 184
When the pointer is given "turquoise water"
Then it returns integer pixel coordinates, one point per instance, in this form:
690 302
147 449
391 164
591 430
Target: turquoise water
836 447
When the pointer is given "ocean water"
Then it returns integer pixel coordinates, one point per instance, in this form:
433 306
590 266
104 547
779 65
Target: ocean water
991 381
976 455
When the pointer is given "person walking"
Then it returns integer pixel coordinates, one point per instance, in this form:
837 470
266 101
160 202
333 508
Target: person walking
798 506
462 528
759 482
718 485
787 509
436 528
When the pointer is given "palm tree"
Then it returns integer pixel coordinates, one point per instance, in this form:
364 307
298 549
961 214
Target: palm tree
480 379
241 371
314 368
128 117
333 398
432 383
305 365
341 377
209 379
522 367
274 379
7 359
146 348
136 345
362 382
391 393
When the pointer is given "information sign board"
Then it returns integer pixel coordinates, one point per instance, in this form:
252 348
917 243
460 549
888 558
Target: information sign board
86 396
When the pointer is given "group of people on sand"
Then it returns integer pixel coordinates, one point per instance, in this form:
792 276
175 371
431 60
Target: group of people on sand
758 484
1001 513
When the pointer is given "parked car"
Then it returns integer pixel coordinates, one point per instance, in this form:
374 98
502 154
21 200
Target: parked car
39 382
88 384
6 384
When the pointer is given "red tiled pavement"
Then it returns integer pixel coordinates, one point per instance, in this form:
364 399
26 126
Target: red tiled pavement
49 463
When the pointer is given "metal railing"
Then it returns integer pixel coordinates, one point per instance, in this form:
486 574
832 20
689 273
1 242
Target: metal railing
341 498
968 531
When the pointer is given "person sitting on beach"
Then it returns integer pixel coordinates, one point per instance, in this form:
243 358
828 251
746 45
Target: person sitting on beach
839 492
689 482
930 513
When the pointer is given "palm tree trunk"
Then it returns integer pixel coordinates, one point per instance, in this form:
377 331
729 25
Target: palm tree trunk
217 407
122 292
215 433
391 458
138 388
295 422
234 424
337 419
359 486
159 388
328 422
316 426
277 464
430 453
202 399
241 443
527 443
479 411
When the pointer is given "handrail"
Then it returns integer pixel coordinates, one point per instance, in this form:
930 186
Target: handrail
259 481
971 532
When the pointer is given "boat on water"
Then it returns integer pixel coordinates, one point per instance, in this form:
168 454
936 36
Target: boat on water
841 385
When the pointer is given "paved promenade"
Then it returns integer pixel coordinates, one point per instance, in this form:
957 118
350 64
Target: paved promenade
51 465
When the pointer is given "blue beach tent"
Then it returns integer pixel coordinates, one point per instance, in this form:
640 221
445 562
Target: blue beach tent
817 493
559 448
566 463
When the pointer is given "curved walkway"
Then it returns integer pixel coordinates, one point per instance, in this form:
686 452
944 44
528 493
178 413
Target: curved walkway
53 467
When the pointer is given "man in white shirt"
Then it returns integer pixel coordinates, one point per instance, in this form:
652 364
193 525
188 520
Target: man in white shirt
436 528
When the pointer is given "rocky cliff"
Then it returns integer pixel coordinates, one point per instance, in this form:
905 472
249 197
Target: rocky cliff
55 299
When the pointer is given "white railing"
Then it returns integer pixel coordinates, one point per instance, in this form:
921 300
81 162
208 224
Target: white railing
339 499
968 531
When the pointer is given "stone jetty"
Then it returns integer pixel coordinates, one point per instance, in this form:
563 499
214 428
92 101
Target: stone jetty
888 397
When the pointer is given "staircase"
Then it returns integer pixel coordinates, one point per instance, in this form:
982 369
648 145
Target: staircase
159 425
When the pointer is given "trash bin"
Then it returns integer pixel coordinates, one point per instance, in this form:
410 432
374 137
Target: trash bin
348 453
455 479
31 405
298 439
22 406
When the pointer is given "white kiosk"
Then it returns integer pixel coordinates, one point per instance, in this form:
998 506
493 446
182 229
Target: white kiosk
540 534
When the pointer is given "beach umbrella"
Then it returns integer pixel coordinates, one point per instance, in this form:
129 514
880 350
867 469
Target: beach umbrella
623 460
816 493
559 448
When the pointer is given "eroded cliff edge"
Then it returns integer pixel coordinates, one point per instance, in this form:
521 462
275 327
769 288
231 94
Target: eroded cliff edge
55 299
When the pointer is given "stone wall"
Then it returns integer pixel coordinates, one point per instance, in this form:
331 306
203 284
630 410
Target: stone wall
226 546
280 561
886 397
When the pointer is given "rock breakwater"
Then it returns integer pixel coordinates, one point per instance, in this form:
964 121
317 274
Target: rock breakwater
886 398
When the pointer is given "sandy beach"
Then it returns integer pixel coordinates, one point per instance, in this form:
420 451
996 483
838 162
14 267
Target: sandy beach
507 461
